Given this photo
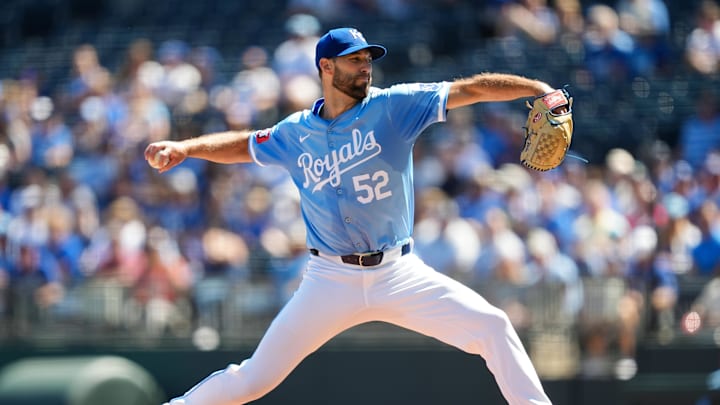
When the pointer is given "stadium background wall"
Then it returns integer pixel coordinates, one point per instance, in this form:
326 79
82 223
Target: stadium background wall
402 376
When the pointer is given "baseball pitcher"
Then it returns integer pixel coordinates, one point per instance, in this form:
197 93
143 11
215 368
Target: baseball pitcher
350 157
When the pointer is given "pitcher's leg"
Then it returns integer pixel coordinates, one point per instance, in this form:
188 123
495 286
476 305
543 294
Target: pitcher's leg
324 305
436 305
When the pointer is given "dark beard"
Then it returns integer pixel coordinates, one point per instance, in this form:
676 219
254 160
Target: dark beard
346 84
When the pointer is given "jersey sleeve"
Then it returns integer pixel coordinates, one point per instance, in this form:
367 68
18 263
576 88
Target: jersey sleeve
415 106
269 146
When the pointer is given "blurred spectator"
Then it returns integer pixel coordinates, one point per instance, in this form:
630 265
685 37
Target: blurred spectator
649 301
208 61
550 268
443 239
148 119
710 176
173 202
325 10
456 156
256 92
99 115
553 300
621 166
18 98
570 18
601 232
397 10
86 69
702 47
463 133
707 304
246 212
294 63
531 19
161 286
500 137
685 181
64 243
172 78
559 205
288 258
4 268
431 170
500 272
34 285
97 129
706 255
52 141
659 158
98 169
648 22
116 249
84 203
299 93
521 199
645 208
139 52
224 262
113 260
643 17
28 223
680 236
194 104
609 51
295 56
700 132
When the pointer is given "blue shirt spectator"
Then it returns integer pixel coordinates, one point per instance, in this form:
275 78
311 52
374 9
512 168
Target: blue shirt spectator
700 133
706 255
609 50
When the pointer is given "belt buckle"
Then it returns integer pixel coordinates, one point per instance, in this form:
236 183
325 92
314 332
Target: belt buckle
361 259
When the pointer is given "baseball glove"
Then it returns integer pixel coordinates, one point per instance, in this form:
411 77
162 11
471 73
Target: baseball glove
548 131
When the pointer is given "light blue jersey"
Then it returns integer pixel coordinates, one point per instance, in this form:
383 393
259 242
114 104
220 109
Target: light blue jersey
355 173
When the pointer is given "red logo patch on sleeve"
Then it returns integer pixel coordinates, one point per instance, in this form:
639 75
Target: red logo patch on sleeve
262 136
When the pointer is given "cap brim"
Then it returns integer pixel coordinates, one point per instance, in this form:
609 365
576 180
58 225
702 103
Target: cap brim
377 51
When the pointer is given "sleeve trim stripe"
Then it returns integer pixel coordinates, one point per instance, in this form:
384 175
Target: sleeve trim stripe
442 108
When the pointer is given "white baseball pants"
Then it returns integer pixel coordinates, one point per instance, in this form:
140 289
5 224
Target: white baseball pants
405 292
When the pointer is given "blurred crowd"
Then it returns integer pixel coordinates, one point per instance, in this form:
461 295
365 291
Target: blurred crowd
588 258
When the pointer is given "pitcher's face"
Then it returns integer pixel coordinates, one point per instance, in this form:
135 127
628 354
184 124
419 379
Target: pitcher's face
353 74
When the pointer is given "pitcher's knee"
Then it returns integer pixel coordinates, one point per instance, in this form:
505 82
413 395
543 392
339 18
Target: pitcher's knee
492 319
499 319
485 329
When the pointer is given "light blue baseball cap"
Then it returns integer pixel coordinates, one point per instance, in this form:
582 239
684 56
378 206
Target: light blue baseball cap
344 41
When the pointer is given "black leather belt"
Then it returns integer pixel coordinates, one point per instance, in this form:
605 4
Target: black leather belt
366 260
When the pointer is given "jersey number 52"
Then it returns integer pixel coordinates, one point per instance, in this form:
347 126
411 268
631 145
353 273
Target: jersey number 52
373 187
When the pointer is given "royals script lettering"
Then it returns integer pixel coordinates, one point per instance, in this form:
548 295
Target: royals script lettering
329 168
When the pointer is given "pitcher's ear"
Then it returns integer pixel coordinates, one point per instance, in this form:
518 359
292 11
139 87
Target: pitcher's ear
325 65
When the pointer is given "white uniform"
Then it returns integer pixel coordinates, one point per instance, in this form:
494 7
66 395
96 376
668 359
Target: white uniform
405 292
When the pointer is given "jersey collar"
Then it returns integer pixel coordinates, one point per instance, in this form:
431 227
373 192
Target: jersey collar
319 103
317 106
